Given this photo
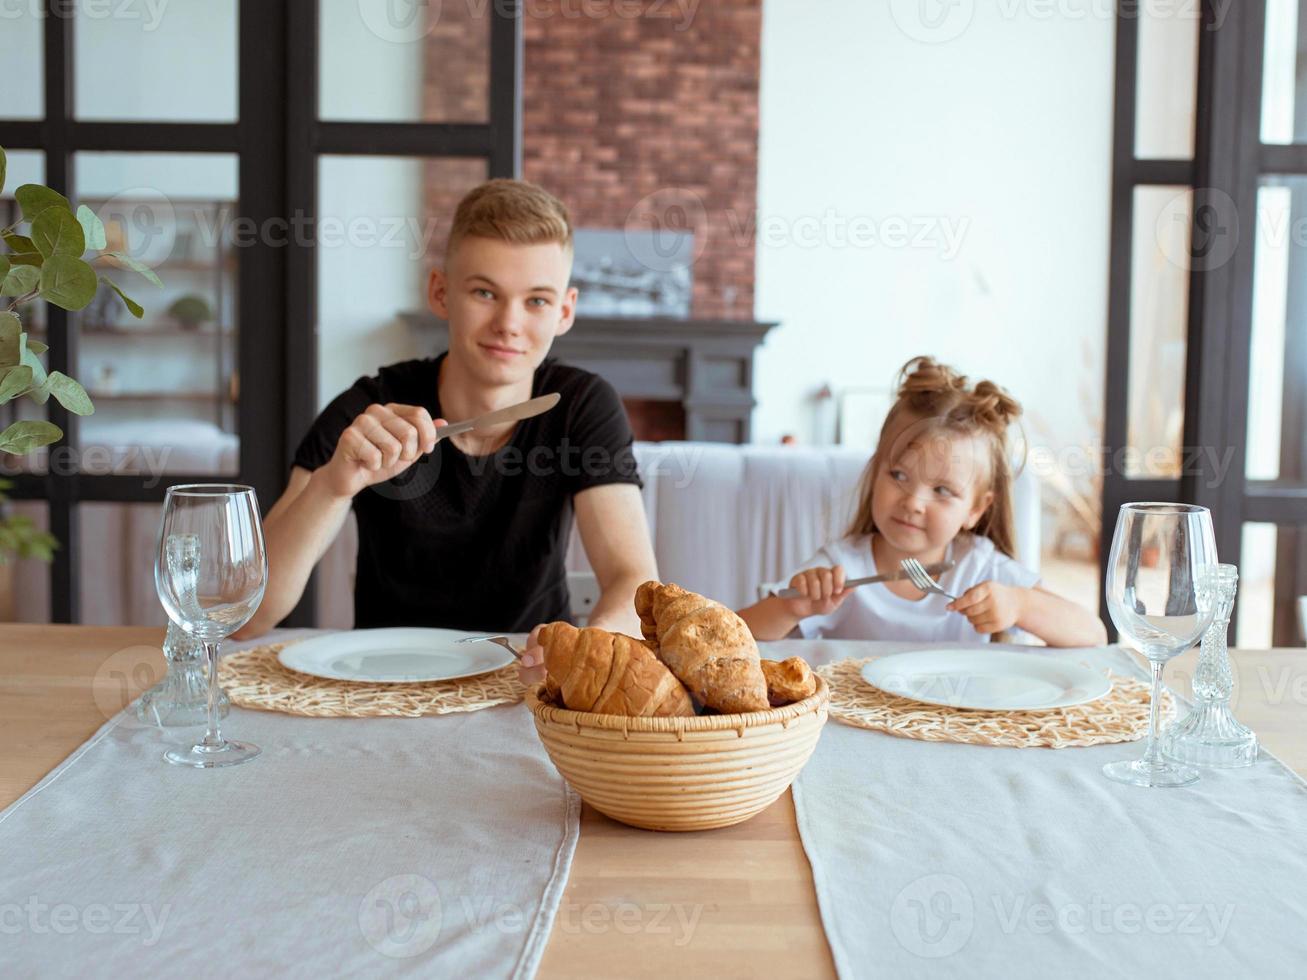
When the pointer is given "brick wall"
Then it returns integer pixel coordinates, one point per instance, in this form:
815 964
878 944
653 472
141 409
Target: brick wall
617 108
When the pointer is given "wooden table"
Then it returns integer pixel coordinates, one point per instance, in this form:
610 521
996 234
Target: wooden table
732 902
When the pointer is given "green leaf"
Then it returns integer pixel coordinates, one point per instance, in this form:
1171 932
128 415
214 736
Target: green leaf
41 547
20 280
16 380
134 307
36 347
22 437
56 232
4 167
24 249
11 340
4 267
69 393
126 260
33 199
39 393
67 282
92 226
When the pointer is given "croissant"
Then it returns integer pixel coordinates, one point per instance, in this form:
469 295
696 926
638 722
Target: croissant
788 680
593 670
707 646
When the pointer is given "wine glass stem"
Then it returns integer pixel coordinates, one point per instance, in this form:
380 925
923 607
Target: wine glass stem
1153 754
212 737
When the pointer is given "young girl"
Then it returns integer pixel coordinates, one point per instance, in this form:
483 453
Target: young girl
939 488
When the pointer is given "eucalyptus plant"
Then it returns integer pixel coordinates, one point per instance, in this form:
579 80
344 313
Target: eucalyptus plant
50 263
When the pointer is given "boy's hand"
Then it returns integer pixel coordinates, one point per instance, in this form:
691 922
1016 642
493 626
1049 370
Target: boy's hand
531 668
378 445
990 607
822 589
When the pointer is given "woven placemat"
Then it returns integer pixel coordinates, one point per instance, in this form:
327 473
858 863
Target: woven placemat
255 678
1119 716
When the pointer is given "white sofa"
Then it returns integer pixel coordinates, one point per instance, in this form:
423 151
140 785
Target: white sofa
724 519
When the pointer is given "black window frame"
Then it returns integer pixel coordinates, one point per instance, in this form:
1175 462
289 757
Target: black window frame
278 138
1228 164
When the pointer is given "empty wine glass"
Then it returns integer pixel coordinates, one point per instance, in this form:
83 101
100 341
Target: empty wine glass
210 570
1160 553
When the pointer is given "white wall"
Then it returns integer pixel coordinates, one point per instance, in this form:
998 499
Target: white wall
370 272
1004 131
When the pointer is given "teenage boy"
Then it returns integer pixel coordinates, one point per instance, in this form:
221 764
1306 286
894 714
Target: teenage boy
471 532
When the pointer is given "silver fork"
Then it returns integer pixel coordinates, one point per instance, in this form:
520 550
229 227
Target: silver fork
502 641
919 577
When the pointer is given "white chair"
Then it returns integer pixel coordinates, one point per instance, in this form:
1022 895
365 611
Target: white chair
723 519
726 518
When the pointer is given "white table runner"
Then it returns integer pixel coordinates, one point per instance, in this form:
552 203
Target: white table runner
435 846
946 860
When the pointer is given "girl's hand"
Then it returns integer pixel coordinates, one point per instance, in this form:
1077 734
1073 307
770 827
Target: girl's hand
822 589
990 607
531 668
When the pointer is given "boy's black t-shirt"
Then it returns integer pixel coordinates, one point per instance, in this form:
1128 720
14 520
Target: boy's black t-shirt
477 542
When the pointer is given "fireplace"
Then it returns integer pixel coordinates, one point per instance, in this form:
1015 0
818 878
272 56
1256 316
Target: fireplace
679 379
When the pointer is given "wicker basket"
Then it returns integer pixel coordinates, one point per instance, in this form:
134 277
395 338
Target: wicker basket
681 773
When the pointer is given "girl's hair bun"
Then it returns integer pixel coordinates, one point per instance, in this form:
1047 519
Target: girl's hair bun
993 407
929 389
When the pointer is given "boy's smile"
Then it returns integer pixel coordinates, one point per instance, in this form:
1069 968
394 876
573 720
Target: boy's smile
505 304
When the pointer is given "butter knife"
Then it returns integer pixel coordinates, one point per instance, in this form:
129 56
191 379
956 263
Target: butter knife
513 413
936 569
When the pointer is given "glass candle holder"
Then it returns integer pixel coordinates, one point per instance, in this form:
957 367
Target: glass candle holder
1210 735
181 699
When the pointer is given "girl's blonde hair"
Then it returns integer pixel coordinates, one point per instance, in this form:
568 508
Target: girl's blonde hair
939 399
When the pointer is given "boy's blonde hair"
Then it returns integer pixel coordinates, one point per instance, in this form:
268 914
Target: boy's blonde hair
511 211
934 397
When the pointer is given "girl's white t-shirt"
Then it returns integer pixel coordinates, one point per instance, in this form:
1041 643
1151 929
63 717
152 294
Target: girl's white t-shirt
873 612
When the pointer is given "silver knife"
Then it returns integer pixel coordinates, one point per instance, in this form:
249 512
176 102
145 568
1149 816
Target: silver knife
513 413
936 569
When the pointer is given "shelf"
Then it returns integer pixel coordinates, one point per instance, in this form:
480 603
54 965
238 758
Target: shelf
149 330
155 396
155 330
180 265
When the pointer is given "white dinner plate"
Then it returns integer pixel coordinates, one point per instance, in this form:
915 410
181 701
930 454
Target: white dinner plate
986 679
394 655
